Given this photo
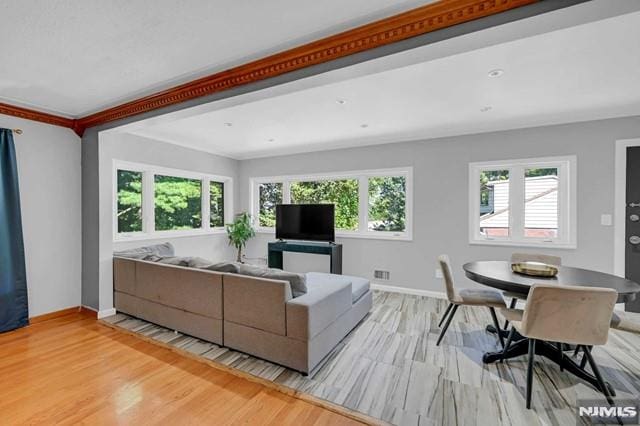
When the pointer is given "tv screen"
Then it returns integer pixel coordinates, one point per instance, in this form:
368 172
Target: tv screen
313 222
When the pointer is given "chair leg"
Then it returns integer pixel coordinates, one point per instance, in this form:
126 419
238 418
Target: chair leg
576 351
445 314
585 349
532 353
512 332
512 305
561 353
497 326
596 372
446 324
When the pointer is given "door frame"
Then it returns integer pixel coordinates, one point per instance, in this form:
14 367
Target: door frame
620 204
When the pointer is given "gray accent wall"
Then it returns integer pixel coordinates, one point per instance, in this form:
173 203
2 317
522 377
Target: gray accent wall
441 204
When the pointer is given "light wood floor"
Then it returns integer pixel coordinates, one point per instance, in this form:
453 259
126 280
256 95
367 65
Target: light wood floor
75 370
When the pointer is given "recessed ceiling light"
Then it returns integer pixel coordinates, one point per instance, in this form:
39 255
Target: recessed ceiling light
228 124
496 73
271 139
485 108
341 101
364 126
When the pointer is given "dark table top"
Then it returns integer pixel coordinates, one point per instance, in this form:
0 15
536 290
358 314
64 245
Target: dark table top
498 274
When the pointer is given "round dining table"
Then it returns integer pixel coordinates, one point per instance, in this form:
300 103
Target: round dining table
498 274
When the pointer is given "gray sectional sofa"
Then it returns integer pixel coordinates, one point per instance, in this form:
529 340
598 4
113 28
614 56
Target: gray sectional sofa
252 314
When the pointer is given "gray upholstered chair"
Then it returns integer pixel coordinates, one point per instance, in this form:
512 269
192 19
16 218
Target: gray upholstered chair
584 312
528 257
470 297
619 321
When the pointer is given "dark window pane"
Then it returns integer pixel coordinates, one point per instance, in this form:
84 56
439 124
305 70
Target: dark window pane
178 203
270 196
129 201
342 193
387 203
216 199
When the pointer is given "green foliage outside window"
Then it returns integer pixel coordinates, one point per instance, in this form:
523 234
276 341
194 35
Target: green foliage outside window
129 201
342 193
178 203
387 198
216 200
270 196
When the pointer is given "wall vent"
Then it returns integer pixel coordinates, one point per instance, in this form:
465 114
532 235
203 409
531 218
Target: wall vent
381 275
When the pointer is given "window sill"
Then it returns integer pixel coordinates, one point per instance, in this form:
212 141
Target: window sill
159 235
358 235
538 244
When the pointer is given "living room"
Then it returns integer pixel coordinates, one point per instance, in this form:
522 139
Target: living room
427 163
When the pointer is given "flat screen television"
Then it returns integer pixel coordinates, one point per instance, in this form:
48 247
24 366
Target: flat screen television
311 222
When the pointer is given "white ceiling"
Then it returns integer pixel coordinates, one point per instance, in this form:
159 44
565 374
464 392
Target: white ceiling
584 72
75 57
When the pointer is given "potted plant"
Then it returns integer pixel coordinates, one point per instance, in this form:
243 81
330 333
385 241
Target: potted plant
240 231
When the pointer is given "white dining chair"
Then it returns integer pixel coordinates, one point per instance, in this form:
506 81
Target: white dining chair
470 297
584 314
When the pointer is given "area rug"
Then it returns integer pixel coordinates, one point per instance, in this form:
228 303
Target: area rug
390 369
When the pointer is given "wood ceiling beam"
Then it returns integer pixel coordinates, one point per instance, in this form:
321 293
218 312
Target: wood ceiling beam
419 21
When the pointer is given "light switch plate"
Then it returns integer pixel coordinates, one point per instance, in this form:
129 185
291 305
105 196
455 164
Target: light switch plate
606 220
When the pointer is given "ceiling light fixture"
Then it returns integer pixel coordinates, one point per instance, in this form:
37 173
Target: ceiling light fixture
271 139
495 73
341 101
364 126
228 124
485 108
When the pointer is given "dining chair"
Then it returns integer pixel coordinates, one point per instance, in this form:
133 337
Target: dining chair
619 321
528 257
584 312
469 297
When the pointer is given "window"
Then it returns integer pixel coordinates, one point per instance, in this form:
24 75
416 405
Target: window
177 203
216 199
129 211
523 202
270 195
368 204
153 202
342 193
387 203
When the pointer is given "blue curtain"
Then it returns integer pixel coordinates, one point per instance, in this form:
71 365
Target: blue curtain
13 279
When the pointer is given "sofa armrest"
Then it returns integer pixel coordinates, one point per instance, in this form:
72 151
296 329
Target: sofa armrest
311 313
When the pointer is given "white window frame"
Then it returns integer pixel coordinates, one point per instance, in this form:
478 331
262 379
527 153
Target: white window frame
567 202
363 197
148 208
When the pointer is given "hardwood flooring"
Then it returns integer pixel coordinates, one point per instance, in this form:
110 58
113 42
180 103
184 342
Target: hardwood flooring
390 368
75 370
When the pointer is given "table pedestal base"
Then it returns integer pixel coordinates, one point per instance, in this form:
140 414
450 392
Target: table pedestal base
550 351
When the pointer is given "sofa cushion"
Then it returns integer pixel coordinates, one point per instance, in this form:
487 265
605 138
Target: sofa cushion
229 267
359 285
298 282
168 260
164 249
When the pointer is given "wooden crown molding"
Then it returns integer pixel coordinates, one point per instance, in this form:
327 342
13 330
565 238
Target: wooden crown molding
29 114
422 20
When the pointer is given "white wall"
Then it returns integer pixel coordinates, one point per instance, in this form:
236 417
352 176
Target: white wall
441 196
49 177
127 147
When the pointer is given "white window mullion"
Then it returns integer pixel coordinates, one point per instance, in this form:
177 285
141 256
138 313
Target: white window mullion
206 204
148 204
363 204
516 203
286 192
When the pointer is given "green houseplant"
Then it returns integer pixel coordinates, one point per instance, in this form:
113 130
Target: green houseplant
240 231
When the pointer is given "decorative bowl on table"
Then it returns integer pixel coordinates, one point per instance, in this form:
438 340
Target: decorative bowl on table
534 269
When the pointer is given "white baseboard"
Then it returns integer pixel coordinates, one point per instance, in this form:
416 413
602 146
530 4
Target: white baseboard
405 290
106 313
